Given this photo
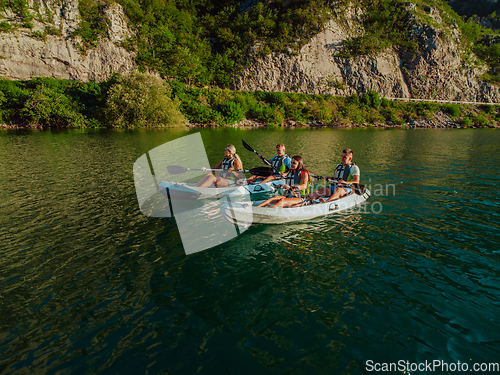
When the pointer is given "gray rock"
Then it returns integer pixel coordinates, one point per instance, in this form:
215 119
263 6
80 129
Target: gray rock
437 71
25 56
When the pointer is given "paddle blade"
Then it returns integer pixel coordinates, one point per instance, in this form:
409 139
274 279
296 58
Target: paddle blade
176 169
247 146
358 188
262 171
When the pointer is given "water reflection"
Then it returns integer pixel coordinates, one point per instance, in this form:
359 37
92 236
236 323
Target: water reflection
89 284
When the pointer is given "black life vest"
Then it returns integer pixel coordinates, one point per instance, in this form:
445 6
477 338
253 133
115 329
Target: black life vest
278 164
342 173
294 178
227 167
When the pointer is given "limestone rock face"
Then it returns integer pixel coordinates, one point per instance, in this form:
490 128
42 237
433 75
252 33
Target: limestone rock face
24 54
437 71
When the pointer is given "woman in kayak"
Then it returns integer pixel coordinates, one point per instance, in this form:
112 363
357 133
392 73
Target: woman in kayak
298 183
231 166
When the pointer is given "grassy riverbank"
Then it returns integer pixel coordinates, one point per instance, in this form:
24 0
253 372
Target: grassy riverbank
142 100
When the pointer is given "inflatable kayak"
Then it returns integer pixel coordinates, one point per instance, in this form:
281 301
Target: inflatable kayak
245 213
190 191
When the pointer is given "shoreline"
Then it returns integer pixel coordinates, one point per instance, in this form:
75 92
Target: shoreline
441 121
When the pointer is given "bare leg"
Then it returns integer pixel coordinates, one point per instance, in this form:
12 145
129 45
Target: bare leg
288 202
206 181
222 182
251 179
271 201
321 192
338 193
268 178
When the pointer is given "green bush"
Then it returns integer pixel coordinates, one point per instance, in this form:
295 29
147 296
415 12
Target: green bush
274 116
15 93
375 99
452 109
140 100
466 122
371 99
197 113
92 24
354 99
48 107
480 120
276 98
232 112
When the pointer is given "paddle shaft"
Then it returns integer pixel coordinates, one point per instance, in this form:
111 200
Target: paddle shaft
177 169
216 170
250 148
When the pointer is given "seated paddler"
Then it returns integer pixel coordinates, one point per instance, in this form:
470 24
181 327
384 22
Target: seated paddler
297 186
231 174
280 165
346 173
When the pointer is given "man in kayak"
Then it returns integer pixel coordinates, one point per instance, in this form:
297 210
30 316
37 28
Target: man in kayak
280 162
345 173
298 185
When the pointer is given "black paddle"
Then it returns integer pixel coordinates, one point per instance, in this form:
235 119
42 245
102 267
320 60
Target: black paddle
261 171
249 148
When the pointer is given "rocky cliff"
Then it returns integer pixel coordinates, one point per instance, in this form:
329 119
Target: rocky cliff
437 71
29 52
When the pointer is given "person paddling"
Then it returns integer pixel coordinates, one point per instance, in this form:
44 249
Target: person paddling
346 172
232 167
298 184
280 162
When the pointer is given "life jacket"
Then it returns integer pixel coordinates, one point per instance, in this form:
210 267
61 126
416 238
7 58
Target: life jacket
342 173
298 179
227 167
278 164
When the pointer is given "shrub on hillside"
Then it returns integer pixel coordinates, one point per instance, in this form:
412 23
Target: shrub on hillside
50 107
466 122
452 109
232 112
480 120
197 113
140 100
371 99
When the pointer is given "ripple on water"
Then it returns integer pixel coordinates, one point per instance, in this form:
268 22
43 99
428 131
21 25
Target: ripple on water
92 285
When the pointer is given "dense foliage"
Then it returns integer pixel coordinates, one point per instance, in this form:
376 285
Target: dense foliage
142 100
385 24
205 42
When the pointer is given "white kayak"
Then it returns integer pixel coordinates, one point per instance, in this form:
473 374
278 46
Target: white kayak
190 191
246 213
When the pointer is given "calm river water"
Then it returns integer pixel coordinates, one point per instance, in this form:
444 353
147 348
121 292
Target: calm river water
91 285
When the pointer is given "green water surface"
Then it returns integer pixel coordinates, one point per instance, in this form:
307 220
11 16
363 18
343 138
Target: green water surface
91 285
